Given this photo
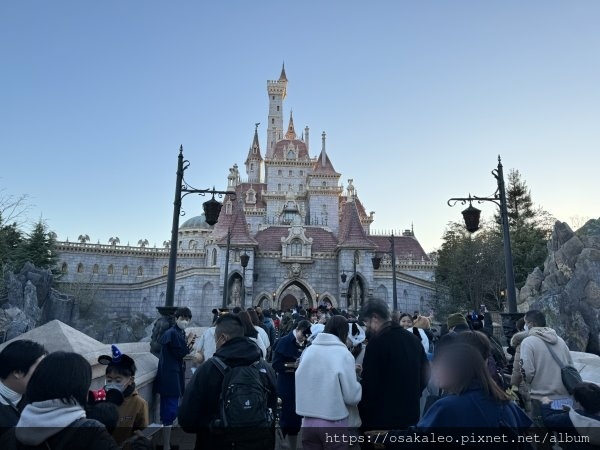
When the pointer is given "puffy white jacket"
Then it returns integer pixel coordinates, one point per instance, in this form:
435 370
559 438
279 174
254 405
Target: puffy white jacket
326 380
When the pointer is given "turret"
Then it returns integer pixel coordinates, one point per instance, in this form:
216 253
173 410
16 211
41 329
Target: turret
277 91
254 159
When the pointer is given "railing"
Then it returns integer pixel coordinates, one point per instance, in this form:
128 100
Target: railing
84 247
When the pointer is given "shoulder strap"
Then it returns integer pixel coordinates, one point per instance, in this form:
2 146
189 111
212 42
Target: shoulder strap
558 361
220 364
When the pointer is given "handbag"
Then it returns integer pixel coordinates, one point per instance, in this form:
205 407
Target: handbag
570 375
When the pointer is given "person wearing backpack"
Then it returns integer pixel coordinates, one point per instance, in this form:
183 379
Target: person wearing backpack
228 403
539 369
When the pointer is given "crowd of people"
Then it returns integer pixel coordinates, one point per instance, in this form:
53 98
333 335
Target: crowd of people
261 379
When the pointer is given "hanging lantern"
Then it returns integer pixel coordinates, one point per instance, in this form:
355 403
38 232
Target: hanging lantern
212 209
376 260
471 217
245 259
343 277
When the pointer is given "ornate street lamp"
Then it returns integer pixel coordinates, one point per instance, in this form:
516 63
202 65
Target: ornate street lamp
471 217
212 209
343 276
376 261
244 260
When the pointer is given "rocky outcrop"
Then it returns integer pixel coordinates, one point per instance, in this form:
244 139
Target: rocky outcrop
568 289
33 302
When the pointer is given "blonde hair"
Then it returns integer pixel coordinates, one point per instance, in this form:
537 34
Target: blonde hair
422 322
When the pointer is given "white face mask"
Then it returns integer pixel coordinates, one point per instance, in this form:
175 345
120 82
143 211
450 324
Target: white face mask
182 323
526 327
117 386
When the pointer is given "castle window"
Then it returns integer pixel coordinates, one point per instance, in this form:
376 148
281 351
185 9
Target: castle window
300 187
279 187
251 196
273 121
280 172
214 257
296 247
291 173
192 245
125 270
140 271
252 164
165 270
302 173
228 207
80 268
95 268
273 97
277 108
179 268
324 184
64 268
110 269
291 155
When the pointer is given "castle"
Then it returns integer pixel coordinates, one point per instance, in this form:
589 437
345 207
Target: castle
306 239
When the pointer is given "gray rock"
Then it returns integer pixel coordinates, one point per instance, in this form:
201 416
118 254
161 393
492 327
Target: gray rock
568 289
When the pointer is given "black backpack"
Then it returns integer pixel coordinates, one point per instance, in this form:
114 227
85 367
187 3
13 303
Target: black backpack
243 402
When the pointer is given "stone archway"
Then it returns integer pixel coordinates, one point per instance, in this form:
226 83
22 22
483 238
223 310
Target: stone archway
361 293
304 293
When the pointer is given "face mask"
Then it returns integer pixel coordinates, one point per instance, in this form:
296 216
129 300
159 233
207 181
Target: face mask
181 323
526 327
117 386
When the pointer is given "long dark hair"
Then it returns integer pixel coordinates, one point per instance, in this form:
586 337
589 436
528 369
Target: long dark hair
468 368
249 330
338 326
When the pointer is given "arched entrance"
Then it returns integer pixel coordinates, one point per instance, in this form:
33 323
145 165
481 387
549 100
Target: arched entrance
235 291
295 292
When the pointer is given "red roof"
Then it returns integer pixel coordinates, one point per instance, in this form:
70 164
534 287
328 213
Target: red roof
236 222
352 234
280 150
323 166
405 247
269 240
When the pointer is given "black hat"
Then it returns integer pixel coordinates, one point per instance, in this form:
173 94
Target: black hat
117 359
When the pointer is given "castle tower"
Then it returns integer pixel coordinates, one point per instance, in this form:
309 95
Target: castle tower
277 91
254 159
324 191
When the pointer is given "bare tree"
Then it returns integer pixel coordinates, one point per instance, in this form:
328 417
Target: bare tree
13 209
578 221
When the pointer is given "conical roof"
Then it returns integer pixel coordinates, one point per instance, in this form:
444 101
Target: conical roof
291 132
283 77
352 234
254 152
236 222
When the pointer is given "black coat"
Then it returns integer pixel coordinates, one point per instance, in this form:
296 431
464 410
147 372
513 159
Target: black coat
170 376
9 416
200 404
395 372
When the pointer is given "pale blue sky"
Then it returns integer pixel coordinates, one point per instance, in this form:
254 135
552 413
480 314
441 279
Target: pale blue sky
417 98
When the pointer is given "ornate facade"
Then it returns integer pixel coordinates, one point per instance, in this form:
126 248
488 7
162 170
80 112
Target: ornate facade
308 237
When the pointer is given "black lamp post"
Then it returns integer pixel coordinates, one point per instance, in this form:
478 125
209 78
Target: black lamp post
212 208
244 260
471 217
376 261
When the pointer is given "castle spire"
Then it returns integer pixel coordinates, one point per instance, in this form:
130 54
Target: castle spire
282 77
254 159
291 133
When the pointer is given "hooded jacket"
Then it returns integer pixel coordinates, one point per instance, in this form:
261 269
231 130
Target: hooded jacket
200 404
53 422
538 368
326 372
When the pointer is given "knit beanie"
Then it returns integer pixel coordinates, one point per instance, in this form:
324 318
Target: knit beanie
456 319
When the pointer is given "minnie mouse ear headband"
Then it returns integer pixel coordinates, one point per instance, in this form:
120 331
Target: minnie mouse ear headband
117 359
355 333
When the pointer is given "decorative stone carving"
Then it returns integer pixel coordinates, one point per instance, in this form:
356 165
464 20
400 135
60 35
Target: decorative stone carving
296 271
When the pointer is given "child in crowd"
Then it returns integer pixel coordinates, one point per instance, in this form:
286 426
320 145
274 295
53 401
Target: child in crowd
133 409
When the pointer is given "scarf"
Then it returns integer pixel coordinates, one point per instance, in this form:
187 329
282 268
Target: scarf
41 420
